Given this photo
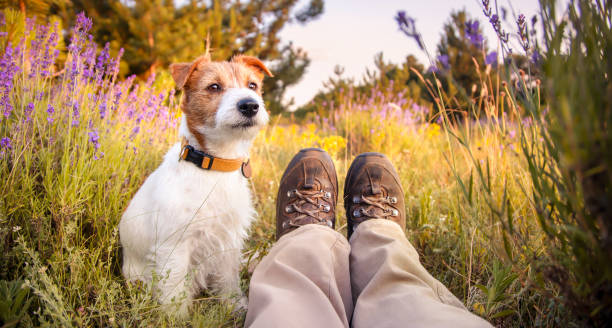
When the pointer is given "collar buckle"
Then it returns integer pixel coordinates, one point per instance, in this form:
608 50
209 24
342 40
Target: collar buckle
210 160
184 152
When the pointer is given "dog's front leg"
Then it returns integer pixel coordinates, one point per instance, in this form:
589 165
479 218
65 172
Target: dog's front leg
227 278
175 285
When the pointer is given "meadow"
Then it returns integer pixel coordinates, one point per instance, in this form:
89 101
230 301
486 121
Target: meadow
77 142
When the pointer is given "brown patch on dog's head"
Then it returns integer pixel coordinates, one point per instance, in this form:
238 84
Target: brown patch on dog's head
254 64
204 83
182 71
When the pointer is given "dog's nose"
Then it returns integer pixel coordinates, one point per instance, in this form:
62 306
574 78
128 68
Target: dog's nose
248 107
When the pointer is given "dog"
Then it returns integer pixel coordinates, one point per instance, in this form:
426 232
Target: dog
185 227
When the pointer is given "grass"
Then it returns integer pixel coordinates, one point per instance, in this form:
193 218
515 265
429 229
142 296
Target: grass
490 206
65 242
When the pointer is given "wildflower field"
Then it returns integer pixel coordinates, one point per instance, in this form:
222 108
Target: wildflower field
507 203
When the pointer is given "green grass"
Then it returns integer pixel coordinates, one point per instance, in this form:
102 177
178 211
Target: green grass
60 220
501 210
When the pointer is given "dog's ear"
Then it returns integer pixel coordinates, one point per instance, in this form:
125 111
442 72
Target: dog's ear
254 63
182 71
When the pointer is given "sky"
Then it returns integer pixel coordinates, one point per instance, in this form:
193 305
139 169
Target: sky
351 32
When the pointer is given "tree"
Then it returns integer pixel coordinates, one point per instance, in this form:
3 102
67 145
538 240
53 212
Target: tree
404 77
337 88
287 72
155 33
32 7
461 44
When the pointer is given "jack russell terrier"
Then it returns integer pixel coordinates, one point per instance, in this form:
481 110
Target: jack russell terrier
186 225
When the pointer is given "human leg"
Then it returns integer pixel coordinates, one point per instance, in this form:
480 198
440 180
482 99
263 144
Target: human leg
304 280
390 286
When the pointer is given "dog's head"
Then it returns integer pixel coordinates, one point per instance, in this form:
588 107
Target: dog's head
222 100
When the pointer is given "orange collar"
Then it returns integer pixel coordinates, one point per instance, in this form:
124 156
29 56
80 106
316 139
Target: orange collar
210 162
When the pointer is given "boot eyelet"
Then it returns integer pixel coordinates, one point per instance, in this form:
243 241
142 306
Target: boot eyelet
356 199
284 225
395 212
393 200
326 208
290 193
329 223
357 213
327 195
289 209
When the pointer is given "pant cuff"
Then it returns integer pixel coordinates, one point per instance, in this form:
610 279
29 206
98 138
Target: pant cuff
307 228
388 226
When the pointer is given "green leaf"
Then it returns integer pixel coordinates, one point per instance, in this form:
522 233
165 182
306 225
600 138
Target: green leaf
502 314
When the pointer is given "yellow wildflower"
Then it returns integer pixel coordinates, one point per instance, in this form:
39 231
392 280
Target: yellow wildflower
333 145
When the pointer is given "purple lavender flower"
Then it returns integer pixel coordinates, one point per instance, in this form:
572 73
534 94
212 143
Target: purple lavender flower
83 23
407 26
494 19
29 24
433 69
444 60
522 32
78 40
5 143
527 121
102 108
135 131
88 59
117 98
36 49
536 57
50 53
101 63
28 112
113 67
8 69
94 138
491 59
75 114
50 111
473 34
96 157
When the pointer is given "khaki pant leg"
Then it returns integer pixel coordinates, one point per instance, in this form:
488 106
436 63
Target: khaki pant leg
303 282
392 289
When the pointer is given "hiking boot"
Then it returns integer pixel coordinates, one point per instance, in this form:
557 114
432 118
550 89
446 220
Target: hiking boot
372 190
308 192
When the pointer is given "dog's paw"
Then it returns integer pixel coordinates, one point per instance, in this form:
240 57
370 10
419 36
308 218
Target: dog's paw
240 305
177 310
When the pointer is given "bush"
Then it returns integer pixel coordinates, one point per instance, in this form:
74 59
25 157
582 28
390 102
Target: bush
572 169
566 147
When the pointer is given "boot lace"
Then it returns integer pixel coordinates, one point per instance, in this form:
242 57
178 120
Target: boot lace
375 206
310 199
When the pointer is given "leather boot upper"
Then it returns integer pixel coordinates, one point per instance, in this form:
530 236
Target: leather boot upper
308 192
372 189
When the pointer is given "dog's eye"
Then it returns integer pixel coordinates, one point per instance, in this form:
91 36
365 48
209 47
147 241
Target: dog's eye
214 87
252 86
